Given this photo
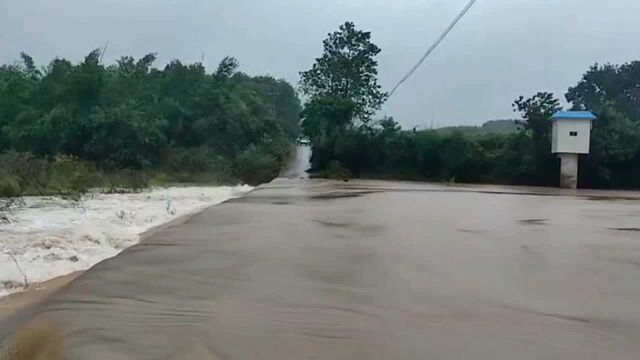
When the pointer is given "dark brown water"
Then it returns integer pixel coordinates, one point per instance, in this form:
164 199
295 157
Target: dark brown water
365 270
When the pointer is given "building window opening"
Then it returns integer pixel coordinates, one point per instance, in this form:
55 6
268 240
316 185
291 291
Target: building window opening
573 133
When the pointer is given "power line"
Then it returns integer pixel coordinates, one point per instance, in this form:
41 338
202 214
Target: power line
104 51
434 46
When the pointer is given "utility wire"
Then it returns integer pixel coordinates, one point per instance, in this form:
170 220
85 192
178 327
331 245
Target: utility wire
434 46
104 51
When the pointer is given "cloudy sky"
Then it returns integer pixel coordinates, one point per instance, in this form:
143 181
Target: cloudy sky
501 49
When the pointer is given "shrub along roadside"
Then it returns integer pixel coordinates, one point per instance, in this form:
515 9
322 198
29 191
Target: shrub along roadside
22 174
427 156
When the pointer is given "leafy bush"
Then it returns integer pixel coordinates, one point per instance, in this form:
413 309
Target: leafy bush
9 187
125 181
10 193
255 166
335 170
32 174
72 178
192 160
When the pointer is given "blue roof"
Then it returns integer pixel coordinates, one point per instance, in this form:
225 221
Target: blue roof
574 115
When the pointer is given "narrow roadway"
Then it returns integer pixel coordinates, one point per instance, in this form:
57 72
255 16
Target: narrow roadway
314 269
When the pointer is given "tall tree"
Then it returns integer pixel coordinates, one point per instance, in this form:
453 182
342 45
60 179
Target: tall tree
536 113
347 70
613 93
609 85
227 67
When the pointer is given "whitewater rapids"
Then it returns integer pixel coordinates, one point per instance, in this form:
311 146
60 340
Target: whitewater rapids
50 237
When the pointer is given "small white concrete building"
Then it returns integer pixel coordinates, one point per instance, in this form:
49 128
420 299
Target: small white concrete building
570 137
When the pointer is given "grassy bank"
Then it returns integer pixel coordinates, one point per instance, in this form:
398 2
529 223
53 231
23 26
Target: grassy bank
23 174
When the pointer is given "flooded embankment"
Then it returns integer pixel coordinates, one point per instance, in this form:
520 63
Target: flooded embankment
363 270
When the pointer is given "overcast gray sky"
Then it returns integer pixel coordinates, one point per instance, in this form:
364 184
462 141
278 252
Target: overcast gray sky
501 49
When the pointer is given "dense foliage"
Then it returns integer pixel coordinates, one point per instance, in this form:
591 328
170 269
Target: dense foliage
346 74
130 115
343 145
342 90
489 127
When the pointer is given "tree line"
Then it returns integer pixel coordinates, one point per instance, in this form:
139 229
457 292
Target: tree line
347 140
78 125
180 120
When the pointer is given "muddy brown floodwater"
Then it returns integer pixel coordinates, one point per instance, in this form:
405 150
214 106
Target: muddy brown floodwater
313 269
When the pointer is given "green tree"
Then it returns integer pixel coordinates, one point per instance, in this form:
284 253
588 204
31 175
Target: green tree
227 67
347 70
132 116
613 93
325 120
536 113
343 93
609 85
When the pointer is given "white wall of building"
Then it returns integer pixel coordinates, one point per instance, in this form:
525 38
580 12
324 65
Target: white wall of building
563 141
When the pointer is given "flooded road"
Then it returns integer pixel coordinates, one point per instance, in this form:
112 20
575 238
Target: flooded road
364 270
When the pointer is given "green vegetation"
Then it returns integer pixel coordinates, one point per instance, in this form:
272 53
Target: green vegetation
489 127
343 96
67 127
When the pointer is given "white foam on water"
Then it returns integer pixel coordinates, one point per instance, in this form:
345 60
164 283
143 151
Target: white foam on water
51 237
